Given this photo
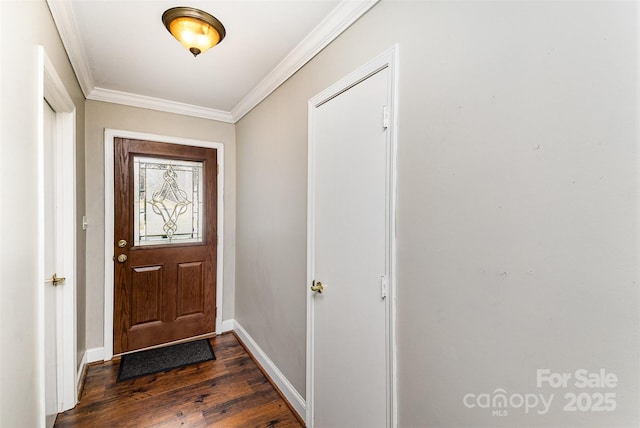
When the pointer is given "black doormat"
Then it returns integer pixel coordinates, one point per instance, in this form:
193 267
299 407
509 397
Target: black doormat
160 359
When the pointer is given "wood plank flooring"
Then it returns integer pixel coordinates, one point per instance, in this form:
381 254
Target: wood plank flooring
228 392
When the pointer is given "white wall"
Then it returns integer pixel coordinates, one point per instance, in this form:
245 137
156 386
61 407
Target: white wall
517 205
101 115
19 329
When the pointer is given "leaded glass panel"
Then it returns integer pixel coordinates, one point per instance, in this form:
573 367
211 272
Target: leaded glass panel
168 201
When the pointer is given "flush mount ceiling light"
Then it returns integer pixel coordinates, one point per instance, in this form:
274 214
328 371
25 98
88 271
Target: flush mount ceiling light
194 29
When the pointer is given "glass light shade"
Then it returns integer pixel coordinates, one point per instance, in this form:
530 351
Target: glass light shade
194 34
196 30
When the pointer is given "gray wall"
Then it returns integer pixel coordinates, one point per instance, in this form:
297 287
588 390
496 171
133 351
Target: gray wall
517 205
19 315
100 115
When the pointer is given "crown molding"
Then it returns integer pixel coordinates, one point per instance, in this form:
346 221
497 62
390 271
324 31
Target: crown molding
134 100
65 21
341 18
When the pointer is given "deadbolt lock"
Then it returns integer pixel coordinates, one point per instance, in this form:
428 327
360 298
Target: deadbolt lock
122 243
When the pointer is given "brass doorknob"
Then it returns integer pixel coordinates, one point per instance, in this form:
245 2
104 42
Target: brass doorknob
317 287
55 279
122 258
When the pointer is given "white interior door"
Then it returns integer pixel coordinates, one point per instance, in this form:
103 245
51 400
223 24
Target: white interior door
349 235
50 265
58 380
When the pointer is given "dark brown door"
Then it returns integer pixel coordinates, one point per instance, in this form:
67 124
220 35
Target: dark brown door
164 243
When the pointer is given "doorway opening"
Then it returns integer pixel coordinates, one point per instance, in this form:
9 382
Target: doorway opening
351 249
109 143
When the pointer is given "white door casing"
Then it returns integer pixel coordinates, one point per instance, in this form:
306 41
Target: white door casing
50 267
109 136
57 243
351 249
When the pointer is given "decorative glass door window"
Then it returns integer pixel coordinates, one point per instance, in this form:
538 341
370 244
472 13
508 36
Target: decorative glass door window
168 201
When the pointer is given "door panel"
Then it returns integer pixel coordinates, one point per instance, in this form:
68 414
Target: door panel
190 288
165 226
350 258
146 287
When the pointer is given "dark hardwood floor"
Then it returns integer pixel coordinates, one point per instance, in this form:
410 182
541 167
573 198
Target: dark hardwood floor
228 392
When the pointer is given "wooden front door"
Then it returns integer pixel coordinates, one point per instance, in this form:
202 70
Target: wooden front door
164 242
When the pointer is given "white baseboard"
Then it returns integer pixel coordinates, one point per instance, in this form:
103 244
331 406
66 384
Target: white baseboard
94 354
290 393
83 363
227 325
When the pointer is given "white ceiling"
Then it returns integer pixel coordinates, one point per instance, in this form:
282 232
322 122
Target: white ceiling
122 53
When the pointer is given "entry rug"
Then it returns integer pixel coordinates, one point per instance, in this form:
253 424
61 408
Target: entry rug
160 359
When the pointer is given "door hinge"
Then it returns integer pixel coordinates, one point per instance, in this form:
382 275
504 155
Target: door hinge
383 287
385 117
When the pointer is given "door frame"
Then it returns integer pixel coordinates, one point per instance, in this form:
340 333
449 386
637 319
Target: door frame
109 136
389 60
54 92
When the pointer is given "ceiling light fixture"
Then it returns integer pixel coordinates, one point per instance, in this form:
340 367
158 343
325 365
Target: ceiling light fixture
194 29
